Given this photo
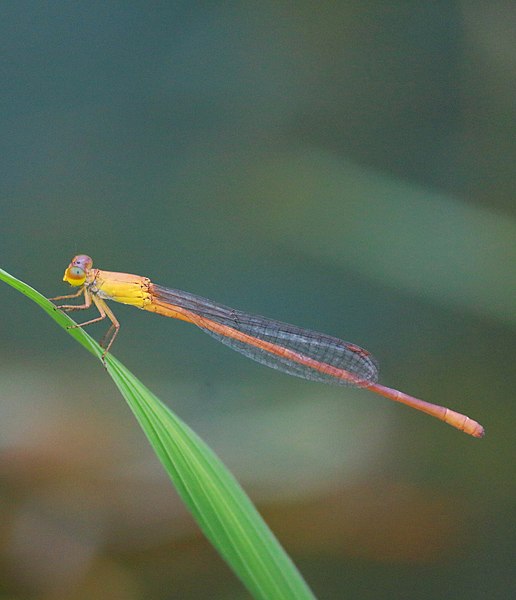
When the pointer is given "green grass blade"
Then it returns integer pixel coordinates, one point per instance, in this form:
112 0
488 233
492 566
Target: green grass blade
224 512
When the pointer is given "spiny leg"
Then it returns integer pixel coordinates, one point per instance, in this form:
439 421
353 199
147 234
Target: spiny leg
88 299
107 336
112 332
70 307
81 291
104 312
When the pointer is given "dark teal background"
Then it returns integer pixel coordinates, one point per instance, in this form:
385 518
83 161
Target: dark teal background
347 167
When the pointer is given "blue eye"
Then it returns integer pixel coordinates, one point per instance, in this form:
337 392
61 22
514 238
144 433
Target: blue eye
76 272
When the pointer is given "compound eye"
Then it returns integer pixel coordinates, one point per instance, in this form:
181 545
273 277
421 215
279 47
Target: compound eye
74 275
76 272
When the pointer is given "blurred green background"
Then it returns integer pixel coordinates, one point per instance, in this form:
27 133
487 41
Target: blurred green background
347 167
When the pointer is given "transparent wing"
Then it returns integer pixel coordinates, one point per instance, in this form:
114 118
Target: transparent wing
293 350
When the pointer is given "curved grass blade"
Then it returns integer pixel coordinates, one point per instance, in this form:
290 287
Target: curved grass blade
222 509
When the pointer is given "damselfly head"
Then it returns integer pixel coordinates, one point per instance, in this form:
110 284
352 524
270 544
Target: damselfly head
77 270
